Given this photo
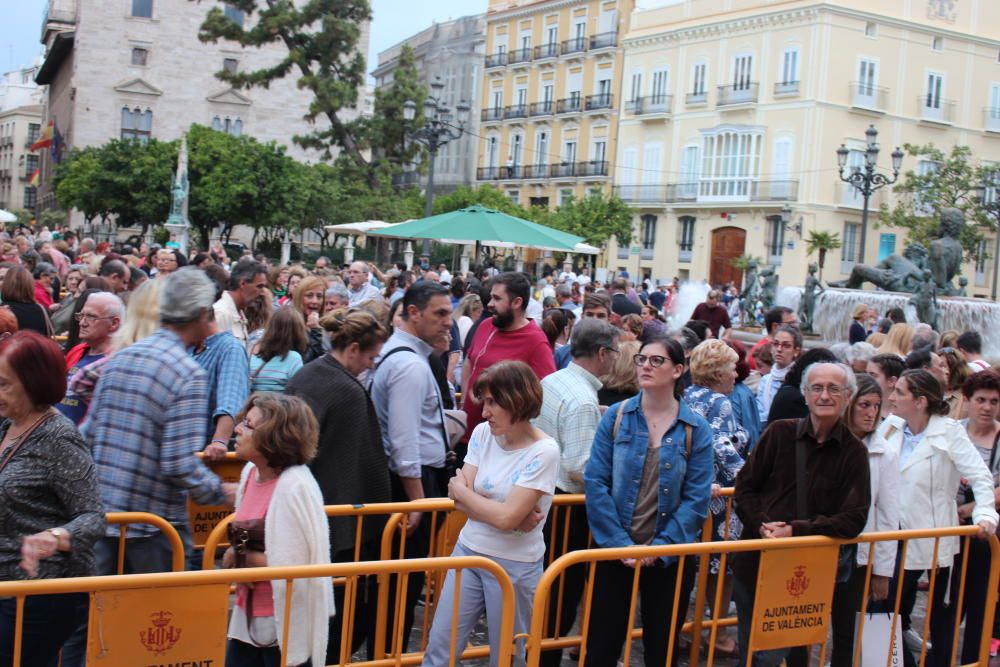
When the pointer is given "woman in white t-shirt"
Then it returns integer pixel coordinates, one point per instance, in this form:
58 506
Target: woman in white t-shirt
505 488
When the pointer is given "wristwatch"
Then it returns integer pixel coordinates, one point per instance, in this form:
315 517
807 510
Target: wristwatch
58 533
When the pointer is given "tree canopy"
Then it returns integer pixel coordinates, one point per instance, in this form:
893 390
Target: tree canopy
949 183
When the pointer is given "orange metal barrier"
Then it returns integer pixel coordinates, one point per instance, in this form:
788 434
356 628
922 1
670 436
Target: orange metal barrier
165 527
537 640
198 582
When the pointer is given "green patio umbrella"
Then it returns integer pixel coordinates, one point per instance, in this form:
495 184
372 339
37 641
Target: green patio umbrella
480 224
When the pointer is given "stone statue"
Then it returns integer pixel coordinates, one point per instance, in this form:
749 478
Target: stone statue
945 252
768 287
924 299
963 282
807 305
177 221
749 296
894 273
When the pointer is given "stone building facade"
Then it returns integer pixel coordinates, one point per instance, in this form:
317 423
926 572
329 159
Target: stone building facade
452 52
20 126
733 111
136 68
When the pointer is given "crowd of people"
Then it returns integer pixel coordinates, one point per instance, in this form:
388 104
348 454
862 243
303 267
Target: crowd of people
355 385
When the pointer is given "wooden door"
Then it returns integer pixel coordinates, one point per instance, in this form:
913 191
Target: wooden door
728 243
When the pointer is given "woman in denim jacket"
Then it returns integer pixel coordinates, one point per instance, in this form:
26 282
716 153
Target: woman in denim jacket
648 481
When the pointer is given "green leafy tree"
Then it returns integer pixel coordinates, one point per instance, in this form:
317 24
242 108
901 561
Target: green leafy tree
81 183
950 185
485 195
321 38
742 262
822 242
595 217
53 218
387 128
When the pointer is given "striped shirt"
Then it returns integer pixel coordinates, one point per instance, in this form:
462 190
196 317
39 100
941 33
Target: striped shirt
224 360
275 374
570 414
147 420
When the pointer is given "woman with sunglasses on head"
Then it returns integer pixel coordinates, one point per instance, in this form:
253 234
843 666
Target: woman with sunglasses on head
648 481
935 454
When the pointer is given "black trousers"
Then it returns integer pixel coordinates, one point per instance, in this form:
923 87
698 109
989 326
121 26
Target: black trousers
610 607
574 579
974 600
435 484
942 628
847 597
365 606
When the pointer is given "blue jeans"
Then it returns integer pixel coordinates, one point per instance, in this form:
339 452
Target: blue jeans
48 621
143 555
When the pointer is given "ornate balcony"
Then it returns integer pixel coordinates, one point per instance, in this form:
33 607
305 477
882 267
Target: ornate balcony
599 101
603 40
541 108
572 104
867 96
496 60
574 45
543 51
741 93
519 56
652 105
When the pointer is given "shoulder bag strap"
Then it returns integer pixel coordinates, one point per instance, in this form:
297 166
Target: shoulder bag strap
21 439
444 429
618 420
688 438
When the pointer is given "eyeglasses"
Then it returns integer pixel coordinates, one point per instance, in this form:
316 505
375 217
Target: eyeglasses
87 317
611 349
833 389
246 424
654 360
947 350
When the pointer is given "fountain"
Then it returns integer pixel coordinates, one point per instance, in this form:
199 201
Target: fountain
689 295
832 317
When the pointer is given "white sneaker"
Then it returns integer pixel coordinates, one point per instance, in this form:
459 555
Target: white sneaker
913 641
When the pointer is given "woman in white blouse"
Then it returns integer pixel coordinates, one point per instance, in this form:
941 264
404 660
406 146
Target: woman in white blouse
935 454
505 488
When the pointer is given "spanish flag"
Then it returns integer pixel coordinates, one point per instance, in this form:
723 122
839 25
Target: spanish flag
35 178
45 138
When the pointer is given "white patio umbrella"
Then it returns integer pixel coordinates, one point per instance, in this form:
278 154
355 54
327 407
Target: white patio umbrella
7 216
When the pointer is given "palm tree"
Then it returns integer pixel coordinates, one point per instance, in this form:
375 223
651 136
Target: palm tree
822 241
743 261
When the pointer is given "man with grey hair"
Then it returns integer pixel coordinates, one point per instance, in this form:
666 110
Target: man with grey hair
359 287
806 476
570 414
149 416
247 283
336 296
924 338
858 356
101 316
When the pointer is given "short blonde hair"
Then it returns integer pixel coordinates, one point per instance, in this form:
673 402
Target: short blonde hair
709 361
624 375
899 340
142 316
309 283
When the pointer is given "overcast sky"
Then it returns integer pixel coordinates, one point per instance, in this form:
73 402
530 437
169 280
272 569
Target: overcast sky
392 22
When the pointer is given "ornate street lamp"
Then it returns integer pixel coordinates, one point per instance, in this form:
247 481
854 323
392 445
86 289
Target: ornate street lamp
866 179
991 204
438 129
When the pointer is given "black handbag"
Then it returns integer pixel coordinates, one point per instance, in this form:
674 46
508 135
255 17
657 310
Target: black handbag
246 536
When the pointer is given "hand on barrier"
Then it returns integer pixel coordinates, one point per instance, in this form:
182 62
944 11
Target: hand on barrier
986 528
716 491
36 547
648 561
412 521
229 559
775 529
215 452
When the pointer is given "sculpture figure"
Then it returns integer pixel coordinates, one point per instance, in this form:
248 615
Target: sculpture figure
924 299
945 252
807 305
894 273
768 287
177 221
963 282
749 296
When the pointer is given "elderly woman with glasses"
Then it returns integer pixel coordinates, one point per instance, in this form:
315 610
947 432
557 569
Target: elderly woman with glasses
648 481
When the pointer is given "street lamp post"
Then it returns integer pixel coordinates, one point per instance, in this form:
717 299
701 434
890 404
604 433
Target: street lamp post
866 179
992 206
437 130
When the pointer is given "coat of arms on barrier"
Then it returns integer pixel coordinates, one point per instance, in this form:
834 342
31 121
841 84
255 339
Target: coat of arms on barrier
799 582
162 636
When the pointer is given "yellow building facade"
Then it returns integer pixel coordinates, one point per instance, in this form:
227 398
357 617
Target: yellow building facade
550 97
733 110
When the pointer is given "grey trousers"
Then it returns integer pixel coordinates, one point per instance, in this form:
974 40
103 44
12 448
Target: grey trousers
479 592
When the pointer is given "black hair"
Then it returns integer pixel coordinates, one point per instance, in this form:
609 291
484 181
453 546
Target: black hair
774 316
245 270
675 352
816 355
971 342
516 284
890 364
420 293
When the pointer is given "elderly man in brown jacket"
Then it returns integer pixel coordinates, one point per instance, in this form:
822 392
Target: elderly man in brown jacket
770 504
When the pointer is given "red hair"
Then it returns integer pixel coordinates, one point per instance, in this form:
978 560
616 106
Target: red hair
38 364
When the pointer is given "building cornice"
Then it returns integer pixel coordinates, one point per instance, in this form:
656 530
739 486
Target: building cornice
528 10
694 31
